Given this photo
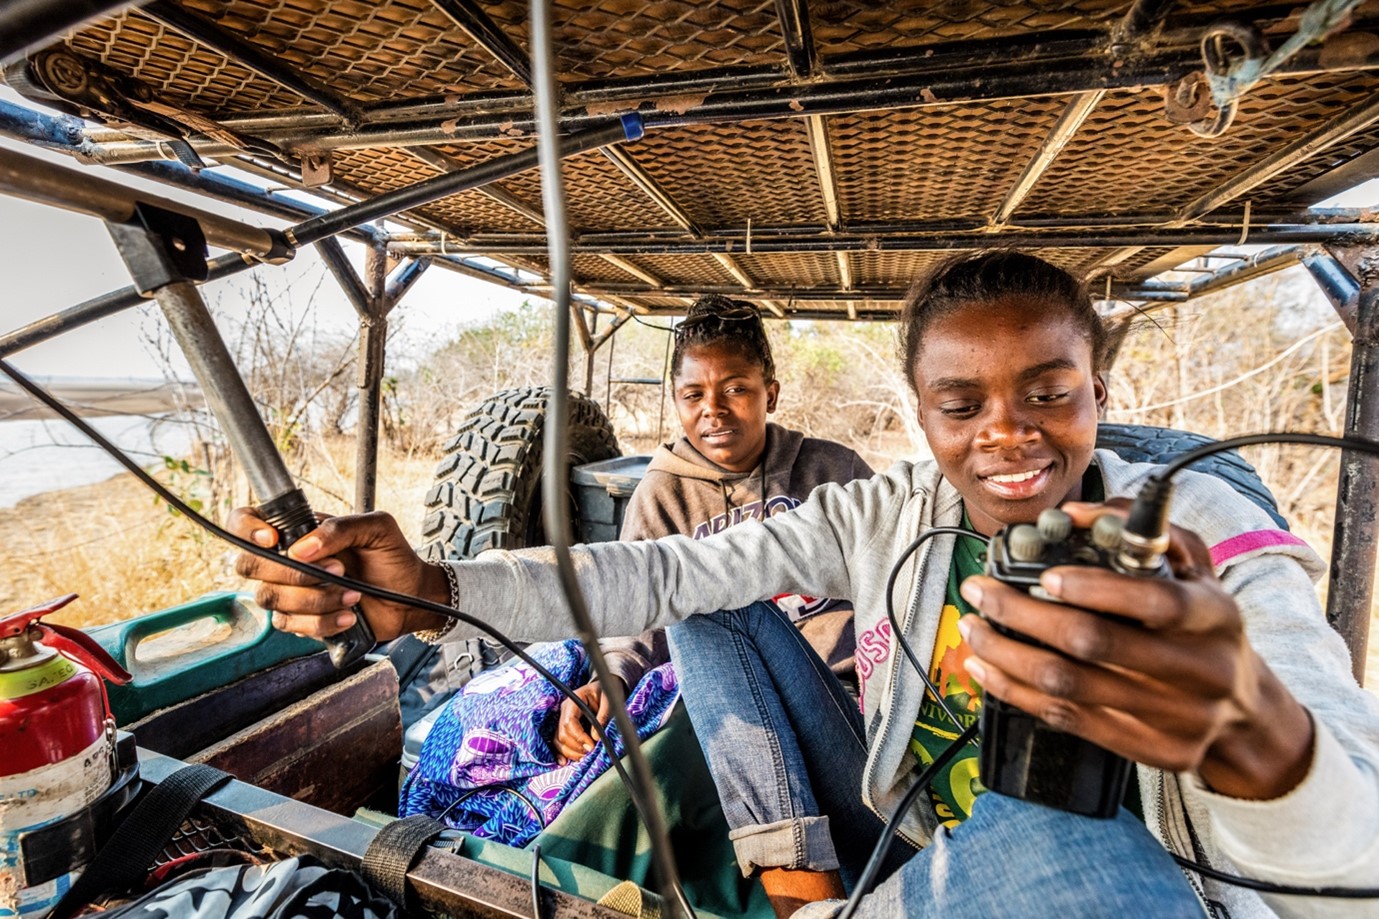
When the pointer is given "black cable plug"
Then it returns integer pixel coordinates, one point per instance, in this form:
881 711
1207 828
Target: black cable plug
1144 538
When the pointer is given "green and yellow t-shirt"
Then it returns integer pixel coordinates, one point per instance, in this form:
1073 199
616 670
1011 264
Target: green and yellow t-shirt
955 788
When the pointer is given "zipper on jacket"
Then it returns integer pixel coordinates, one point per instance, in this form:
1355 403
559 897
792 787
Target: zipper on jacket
1199 855
896 658
1169 841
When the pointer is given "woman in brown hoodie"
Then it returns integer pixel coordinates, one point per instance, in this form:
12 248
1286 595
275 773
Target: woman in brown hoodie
731 467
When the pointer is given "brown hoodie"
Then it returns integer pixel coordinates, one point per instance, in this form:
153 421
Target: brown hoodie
685 493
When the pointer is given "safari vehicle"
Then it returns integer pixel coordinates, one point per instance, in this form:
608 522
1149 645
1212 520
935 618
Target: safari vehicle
810 157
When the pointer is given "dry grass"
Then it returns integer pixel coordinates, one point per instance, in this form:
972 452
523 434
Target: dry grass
120 549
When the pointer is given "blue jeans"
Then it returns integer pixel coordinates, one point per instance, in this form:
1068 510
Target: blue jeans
783 740
1011 858
786 747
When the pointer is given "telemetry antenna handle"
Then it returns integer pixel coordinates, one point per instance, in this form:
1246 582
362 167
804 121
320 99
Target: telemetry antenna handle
292 517
281 503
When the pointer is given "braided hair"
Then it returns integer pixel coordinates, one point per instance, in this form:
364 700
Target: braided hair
979 280
716 321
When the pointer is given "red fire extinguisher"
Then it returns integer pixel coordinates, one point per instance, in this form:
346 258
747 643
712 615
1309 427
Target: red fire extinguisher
57 742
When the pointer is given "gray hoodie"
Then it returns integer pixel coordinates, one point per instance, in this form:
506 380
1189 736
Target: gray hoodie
685 493
843 541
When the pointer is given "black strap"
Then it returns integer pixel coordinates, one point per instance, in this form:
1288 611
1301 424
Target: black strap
394 850
124 860
52 850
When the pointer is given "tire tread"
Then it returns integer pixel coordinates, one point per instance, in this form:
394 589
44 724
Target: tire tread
1143 443
490 466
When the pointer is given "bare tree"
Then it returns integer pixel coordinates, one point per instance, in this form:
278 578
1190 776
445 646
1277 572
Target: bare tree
1258 357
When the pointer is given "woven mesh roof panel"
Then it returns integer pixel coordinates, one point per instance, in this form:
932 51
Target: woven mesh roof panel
176 68
1330 158
377 48
687 270
365 50
510 219
893 269
1143 257
904 167
597 39
476 210
662 302
638 262
935 163
598 196
723 175
1078 261
1127 156
463 214
591 268
464 155
802 270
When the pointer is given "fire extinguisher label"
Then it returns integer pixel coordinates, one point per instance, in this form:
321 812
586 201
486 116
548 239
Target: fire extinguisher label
36 798
26 682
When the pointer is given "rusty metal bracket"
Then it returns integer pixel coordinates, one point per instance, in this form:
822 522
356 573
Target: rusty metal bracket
1198 99
1236 56
317 168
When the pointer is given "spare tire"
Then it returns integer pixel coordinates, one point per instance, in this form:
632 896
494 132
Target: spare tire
487 493
1143 443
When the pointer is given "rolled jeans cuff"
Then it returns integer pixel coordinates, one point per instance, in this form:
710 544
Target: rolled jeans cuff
798 843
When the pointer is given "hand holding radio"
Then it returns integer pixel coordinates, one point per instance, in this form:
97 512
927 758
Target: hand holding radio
1157 670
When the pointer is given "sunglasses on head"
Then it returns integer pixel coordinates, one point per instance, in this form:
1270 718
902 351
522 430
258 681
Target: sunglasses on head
722 318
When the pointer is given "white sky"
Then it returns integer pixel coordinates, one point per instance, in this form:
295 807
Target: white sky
51 259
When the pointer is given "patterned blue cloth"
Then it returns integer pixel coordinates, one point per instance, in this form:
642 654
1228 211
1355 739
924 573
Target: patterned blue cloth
488 766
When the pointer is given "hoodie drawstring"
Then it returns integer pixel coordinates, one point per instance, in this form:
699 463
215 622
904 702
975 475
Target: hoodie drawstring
728 505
